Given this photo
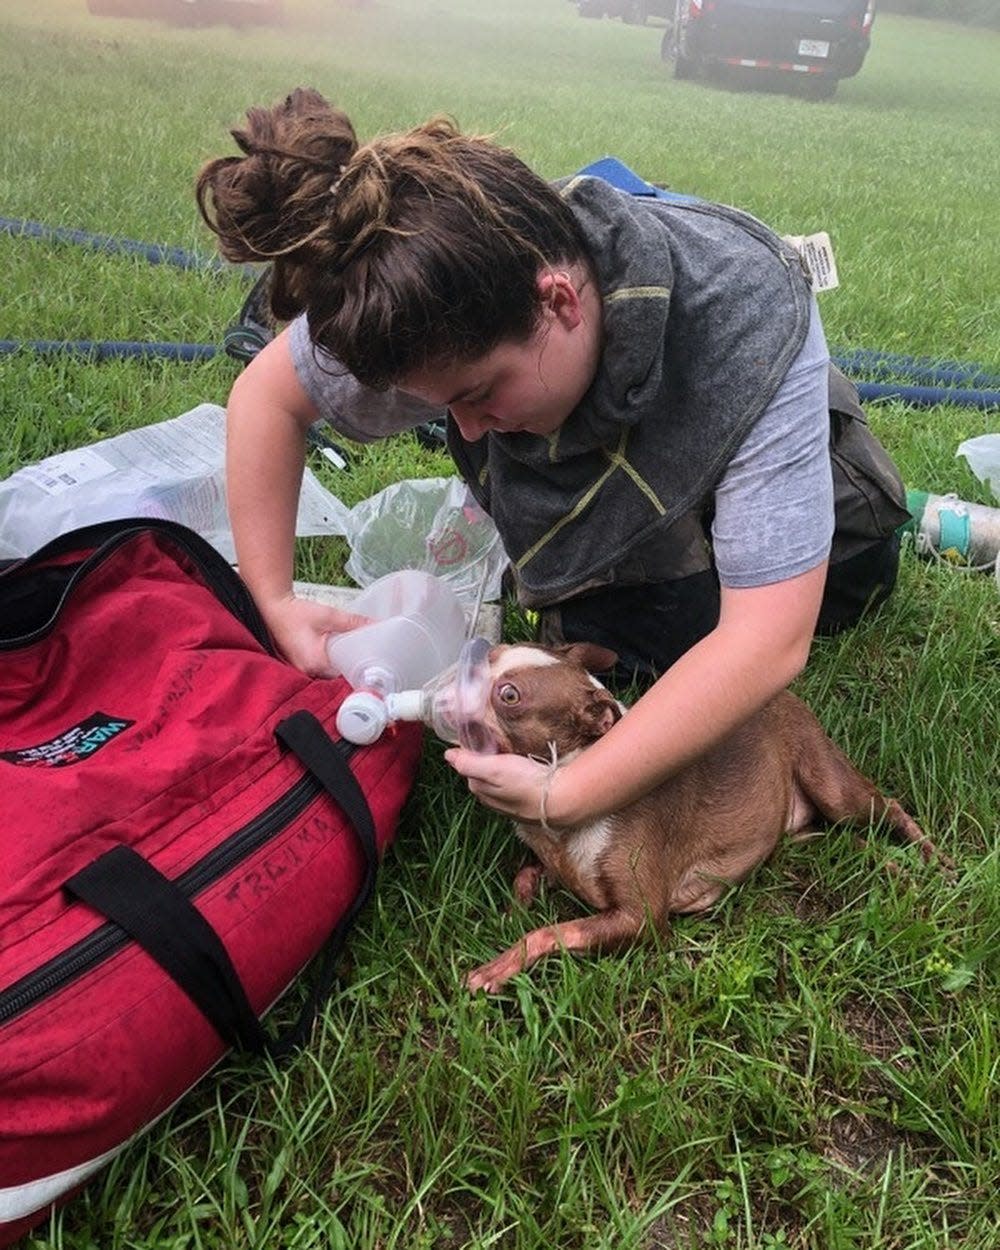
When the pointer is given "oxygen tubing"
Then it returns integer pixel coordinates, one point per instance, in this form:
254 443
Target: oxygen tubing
928 374
919 396
155 253
111 350
885 365
927 396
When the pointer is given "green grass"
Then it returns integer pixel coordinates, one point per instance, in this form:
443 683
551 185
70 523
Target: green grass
815 1064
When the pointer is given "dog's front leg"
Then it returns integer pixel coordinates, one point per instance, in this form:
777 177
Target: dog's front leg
607 930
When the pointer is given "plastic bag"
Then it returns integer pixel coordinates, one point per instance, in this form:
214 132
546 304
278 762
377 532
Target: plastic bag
174 470
432 524
983 455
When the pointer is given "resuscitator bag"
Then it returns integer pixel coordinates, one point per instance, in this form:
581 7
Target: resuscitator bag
417 629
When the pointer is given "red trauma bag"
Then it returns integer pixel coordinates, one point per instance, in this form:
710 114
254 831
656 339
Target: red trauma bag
181 835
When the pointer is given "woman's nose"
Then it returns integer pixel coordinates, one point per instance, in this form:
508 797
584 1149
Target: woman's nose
472 424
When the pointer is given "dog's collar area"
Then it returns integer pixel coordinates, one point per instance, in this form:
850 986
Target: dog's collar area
553 767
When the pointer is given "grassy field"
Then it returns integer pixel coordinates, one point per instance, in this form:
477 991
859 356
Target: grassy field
813 1065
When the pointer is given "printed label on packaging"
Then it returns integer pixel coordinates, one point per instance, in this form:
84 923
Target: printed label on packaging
817 254
66 470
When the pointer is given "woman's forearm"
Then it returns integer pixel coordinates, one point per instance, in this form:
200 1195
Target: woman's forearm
718 684
263 480
265 455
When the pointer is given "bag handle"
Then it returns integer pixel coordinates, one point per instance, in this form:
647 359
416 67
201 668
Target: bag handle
306 738
152 910
126 888
69 557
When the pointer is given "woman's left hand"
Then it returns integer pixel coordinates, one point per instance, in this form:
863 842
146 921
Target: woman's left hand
511 784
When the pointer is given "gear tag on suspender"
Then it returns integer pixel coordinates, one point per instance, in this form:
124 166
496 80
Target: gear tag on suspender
816 252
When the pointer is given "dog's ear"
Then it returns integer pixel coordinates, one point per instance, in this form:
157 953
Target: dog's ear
602 710
592 657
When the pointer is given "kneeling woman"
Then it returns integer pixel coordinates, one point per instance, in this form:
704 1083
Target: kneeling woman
638 391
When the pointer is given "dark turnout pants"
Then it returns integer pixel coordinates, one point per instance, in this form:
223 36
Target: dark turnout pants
652 626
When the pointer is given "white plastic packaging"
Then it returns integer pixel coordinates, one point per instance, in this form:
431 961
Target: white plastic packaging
173 470
983 455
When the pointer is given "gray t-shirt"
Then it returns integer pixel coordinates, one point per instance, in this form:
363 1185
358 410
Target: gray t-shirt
351 409
774 514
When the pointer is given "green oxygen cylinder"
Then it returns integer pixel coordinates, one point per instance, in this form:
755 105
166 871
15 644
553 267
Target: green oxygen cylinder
966 534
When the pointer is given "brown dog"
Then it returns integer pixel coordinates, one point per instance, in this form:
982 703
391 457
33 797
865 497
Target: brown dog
682 845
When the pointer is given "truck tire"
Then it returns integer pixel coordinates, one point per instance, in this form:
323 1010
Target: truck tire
821 86
672 44
670 51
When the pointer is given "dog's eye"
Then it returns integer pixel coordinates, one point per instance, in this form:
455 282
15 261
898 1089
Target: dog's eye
509 694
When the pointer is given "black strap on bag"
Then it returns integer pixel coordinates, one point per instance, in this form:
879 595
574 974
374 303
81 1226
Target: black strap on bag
162 919
305 737
33 590
155 913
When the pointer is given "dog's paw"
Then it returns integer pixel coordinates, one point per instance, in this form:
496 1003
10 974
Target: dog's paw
526 883
492 976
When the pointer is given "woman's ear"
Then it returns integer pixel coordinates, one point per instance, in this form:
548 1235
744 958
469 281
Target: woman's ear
560 298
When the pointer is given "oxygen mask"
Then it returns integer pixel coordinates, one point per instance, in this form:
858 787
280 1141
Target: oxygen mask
453 704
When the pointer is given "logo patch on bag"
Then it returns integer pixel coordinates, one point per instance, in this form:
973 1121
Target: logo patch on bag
77 743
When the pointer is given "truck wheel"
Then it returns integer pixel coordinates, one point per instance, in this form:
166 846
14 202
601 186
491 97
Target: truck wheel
670 50
671 46
684 67
821 86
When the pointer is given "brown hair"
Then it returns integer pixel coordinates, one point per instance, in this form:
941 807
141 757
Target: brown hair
414 250
272 203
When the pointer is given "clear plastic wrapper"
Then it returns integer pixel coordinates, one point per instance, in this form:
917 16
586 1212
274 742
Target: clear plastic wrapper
431 524
983 455
173 470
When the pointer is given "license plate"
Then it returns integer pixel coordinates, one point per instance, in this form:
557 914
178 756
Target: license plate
814 47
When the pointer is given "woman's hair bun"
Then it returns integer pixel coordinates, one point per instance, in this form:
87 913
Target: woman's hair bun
273 202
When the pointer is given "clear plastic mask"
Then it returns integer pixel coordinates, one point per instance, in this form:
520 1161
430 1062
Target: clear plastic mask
454 704
457 700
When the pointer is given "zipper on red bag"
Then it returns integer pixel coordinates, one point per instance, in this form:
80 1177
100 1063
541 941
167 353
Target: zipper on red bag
106 941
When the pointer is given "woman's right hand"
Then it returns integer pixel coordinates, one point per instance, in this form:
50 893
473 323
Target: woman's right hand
301 629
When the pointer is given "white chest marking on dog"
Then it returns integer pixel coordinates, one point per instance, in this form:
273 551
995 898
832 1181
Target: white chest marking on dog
586 844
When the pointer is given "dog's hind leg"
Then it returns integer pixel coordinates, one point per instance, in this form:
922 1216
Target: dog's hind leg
840 792
608 930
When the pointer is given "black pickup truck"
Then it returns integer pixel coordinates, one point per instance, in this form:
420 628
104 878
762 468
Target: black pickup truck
634 12
820 40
